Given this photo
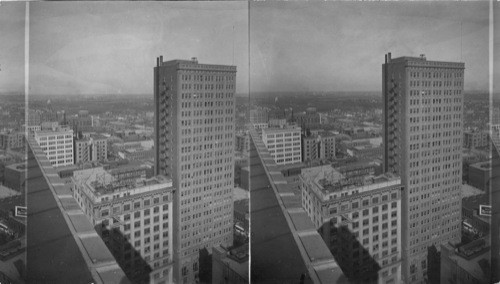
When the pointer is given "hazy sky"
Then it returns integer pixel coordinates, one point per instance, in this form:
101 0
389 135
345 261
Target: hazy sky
12 47
340 46
111 47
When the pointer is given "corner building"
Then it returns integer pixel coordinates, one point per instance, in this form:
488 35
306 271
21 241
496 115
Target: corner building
194 142
423 132
133 216
358 216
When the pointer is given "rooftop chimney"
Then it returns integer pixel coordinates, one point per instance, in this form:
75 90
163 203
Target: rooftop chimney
422 56
194 59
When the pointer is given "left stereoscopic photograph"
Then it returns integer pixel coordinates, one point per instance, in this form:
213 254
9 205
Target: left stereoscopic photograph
122 136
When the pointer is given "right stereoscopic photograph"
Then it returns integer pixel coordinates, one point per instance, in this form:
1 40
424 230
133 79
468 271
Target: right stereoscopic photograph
373 135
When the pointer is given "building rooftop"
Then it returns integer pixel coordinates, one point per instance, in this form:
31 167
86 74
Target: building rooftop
281 129
422 59
473 202
284 243
485 166
240 194
194 63
53 131
236 259
328 180
241 205
469 190
6 192
21 167
63 246
474 258
99 182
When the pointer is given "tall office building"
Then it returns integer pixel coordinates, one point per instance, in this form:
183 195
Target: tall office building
423 132
194 145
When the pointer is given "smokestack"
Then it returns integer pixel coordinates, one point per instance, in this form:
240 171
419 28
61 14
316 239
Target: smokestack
389 57
161 60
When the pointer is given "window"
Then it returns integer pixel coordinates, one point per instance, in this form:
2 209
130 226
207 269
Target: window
355 205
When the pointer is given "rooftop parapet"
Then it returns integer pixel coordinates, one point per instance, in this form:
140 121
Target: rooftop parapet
56 221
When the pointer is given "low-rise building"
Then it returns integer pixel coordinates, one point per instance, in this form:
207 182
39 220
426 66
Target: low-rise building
358 216
481 173
242 143
57 143
12 140
283 144
475 139
135 154
319 146
230 265
466 264
15 176
259 115
474 222
134 218
91 149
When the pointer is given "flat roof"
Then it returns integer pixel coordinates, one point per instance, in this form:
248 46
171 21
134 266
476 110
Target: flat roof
469 190
422 59
8 192
473 202
21 167
59 250
329 179
100 182
475 265
284 244
194 62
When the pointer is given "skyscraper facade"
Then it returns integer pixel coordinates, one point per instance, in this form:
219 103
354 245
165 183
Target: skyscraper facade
194 144
423 132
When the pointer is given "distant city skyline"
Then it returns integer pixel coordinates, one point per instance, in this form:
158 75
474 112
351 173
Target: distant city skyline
339 46
91 48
